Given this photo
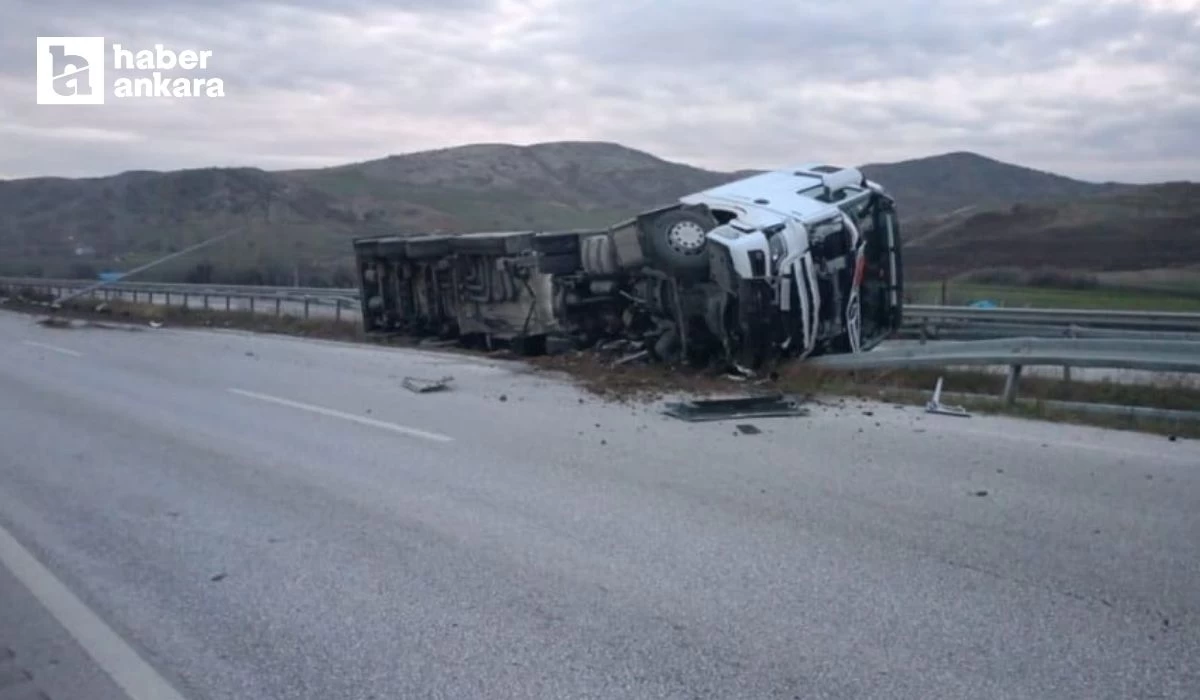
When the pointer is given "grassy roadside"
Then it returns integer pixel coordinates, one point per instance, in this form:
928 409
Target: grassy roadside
596 373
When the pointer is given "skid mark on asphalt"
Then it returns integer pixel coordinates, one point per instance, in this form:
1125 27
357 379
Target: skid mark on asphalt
53 348
384 425
111 653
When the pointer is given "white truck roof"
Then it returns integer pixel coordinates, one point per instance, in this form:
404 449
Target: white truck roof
803 192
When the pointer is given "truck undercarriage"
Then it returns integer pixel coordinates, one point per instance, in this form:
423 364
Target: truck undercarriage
785 264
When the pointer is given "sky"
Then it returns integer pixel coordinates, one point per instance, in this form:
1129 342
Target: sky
1095 89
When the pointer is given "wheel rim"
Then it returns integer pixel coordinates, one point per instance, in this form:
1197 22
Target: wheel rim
686 237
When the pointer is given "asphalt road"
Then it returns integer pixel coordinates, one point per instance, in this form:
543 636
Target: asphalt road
265 517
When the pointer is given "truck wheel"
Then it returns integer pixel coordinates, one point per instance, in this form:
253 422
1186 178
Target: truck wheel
677 238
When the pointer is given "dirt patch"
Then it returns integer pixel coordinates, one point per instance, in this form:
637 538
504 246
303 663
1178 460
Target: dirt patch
631 382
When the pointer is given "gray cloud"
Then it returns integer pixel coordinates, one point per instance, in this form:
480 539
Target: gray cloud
1103 89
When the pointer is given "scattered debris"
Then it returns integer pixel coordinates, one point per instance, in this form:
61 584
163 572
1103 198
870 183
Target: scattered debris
980 493
437 342
604 442
773 405
503 398
748 429
868 413
219 577
103 308
54 322
935 404
1172 438
425 386
250 354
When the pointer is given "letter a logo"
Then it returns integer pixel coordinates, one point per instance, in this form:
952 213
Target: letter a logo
70 70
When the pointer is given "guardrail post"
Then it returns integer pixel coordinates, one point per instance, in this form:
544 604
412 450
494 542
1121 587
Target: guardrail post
150 297
251 304
206 302
278 306
337 309
1010 384
135 297
185 300
1067 368
168 298
226 302
306 307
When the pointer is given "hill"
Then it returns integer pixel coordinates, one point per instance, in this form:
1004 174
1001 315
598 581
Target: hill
1129 228
927 187
960 210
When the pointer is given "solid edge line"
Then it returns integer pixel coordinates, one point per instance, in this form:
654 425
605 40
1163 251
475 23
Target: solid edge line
111 653
402 429
55 348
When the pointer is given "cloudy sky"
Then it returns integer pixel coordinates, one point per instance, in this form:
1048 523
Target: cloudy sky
1098 89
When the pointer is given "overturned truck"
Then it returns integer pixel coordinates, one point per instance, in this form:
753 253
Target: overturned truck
784 264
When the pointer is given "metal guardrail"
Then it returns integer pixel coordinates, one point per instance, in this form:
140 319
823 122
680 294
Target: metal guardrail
264 291
1179 356
1099 318
300 301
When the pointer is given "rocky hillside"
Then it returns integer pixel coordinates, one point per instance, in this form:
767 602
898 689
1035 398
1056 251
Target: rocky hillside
961 210
1130 228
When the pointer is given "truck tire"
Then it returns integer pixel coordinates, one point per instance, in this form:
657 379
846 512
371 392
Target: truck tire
677 239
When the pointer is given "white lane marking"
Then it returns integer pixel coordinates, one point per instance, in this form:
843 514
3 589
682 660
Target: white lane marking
55 348
402 429
136 677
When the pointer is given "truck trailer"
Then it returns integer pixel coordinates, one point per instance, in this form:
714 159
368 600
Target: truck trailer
784 264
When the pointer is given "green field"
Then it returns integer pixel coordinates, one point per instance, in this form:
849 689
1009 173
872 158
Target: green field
1101 297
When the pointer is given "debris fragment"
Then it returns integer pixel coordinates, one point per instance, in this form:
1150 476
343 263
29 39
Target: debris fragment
249 354
748 429
1172 438
425 386
102 308
54 322
935 404
503 398
981 493
771 405
437 342
219 577
640 355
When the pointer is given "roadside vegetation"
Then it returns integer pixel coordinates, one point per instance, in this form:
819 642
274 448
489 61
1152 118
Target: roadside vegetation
1064 289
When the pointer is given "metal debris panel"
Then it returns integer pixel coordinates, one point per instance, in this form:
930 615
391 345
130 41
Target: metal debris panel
771 406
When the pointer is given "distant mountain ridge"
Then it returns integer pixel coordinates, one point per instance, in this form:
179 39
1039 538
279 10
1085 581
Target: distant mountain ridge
303 218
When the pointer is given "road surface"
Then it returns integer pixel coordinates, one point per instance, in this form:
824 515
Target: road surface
226 515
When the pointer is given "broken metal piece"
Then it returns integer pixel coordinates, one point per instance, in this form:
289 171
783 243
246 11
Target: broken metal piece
640 355
425 386
936 406
769 406
748 429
